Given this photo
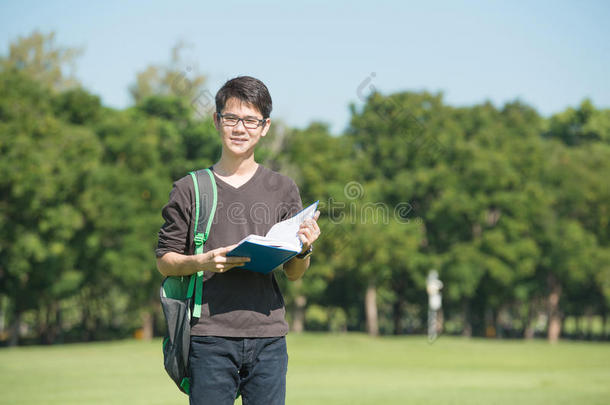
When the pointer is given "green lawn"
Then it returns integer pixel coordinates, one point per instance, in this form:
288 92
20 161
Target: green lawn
328 369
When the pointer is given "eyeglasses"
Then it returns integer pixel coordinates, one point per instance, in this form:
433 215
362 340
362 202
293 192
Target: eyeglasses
232 120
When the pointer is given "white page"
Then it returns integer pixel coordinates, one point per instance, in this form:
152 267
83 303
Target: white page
286 231
263 240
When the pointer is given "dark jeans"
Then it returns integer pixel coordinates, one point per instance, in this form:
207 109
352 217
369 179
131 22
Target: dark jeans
220 366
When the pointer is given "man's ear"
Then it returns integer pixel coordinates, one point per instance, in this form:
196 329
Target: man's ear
266 128
216 122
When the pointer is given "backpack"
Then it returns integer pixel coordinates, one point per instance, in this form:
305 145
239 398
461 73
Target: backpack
180 308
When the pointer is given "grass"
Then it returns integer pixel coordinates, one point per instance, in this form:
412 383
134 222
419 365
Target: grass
328 369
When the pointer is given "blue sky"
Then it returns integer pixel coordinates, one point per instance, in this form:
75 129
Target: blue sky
314 55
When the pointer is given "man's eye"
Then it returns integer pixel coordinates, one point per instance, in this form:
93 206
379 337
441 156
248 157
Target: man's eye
251 122
230 119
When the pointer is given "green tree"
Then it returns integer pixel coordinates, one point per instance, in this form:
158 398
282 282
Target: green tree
38 57
177 78
46 164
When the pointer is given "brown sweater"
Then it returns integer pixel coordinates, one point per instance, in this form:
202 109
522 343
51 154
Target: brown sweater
238 303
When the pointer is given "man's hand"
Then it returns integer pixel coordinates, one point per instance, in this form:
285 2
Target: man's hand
309 231
176 264
217 261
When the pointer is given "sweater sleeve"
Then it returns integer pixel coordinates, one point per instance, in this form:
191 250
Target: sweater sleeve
174 235
292 203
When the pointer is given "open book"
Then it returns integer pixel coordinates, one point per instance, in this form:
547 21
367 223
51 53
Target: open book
279 245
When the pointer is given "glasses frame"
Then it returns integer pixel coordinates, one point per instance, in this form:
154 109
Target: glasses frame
259 123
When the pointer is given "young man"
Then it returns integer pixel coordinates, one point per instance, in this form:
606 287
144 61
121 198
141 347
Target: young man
239 341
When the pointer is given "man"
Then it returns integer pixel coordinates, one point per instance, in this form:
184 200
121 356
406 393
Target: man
239 340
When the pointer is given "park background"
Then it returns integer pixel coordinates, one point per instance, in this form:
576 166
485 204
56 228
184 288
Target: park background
463 137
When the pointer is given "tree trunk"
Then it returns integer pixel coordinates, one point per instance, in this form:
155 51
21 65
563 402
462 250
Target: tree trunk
60 328
398 314
398 308
502 321
589 316
529 331
490 323
298 311
85 335
554 329
15 329
532 314
2 316
440 321
147 325
582 329
41 323
298 317
370 306
51 327
467 328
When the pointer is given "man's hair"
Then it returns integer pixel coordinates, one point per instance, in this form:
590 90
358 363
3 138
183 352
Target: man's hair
248 90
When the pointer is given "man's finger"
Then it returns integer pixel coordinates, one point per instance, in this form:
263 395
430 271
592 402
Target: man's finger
223 250
308 223
306 231
233 259
234 265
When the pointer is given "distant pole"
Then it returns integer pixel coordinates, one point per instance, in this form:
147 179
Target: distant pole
433 287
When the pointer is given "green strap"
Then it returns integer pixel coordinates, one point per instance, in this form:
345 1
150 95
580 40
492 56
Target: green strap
209 225
191 288
196 282
196 185
186 385
198 295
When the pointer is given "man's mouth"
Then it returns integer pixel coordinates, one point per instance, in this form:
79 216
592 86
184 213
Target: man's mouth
239 140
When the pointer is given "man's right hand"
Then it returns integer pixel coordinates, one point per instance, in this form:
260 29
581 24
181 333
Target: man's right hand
217 261
176 264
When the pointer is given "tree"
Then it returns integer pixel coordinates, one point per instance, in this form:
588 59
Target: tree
45 164
177 79
398 144
320 165
38 57
582 125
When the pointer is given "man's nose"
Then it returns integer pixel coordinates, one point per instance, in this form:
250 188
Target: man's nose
240 126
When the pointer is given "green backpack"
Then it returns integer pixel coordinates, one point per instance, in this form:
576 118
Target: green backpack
181 310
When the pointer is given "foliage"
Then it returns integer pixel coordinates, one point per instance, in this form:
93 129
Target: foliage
510 208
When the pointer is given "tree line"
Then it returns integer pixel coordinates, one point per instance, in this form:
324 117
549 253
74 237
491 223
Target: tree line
509 207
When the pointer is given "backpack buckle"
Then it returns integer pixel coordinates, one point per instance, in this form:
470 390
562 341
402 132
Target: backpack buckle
199 239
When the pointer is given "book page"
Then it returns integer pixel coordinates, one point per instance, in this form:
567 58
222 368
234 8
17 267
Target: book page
286 231
265 241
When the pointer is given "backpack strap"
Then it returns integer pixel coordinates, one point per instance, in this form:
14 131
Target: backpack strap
206 198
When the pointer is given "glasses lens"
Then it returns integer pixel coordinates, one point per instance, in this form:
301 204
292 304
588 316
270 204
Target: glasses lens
250 123
229 120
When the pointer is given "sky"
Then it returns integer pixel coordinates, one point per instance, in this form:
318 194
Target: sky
317 57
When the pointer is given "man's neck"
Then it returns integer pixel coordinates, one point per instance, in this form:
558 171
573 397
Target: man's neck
235 166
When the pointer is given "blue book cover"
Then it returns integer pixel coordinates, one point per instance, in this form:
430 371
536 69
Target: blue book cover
277 247
263 259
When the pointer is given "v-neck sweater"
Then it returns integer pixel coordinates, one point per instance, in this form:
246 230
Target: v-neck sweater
237 303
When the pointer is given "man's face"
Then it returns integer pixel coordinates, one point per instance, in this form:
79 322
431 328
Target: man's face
238 139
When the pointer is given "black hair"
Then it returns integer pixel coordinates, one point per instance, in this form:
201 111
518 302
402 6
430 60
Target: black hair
248 90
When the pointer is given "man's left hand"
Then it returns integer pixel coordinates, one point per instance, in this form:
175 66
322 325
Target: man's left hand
309 231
